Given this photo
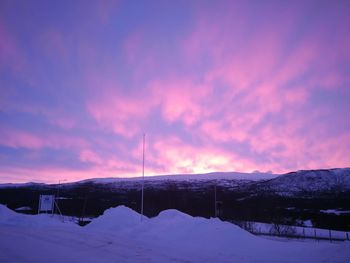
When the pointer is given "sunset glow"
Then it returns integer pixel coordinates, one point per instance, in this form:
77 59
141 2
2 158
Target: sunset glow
215 85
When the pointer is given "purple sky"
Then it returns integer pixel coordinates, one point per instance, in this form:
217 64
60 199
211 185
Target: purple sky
215 85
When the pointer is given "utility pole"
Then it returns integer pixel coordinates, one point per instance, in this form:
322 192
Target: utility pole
143 173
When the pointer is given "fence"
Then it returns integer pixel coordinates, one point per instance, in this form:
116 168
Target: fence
296 232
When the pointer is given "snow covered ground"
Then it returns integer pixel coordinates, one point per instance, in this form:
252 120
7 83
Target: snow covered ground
335 211
299 231
120 236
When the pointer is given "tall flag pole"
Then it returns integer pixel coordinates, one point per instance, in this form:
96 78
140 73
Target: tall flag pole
143 173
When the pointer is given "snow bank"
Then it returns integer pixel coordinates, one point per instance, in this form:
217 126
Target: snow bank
172 214
113 219
24 208
6 214
9 217
171 226
195 233
197 239
120 236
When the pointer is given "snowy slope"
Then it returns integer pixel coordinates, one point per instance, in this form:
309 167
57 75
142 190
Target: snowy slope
189 177
120 236
311 181
194 181
294 183
29 184
228 180
305 181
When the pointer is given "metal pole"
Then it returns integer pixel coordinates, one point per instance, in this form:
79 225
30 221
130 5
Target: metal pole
215 201
56 198
143 174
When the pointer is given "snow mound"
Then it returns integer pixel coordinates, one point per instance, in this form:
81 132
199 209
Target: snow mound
172 236
10 217
172 214
118 218
171 227
5 214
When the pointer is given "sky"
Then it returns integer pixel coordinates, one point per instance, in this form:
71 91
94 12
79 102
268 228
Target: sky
215 86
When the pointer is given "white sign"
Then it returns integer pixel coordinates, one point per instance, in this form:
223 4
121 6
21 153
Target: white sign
46 203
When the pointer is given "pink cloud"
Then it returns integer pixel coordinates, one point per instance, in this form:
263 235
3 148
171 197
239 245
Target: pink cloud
176 156
51 174
66 123
46 174
227 78
180 99
224 131
18 139
90 157
15 138
261 80
109 164
119 113
55 116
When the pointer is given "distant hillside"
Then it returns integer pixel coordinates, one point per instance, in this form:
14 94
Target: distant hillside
310 182
322 196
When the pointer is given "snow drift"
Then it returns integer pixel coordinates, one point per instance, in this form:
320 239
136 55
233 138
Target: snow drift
119 235
9 217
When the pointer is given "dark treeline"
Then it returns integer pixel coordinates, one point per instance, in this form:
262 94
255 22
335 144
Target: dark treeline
235 205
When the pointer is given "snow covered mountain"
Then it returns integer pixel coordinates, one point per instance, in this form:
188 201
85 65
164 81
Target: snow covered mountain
294 183
228 180
256 197
310 181
255 176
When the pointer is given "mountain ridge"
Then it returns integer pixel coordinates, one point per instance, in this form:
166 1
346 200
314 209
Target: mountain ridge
292 183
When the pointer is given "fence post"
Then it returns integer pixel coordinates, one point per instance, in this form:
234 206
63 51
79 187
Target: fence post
304 232
330 235
315 234
347 236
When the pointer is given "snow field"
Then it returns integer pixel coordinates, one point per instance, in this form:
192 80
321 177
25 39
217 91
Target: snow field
119 235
